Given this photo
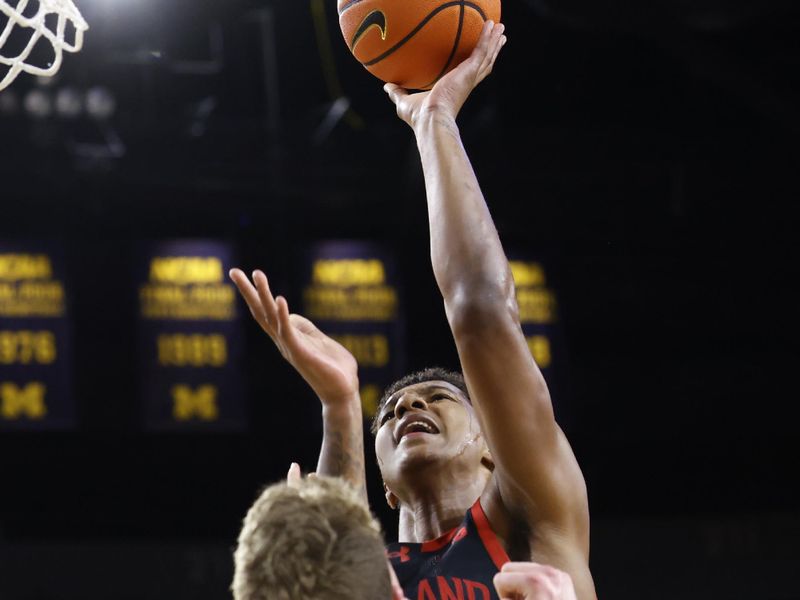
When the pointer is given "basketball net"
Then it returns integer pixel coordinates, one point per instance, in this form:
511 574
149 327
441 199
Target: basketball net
65 10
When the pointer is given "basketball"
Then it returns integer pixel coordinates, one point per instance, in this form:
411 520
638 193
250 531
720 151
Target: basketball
413 43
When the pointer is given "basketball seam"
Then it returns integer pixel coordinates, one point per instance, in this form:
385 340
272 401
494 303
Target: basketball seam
348 6
455 46
422 24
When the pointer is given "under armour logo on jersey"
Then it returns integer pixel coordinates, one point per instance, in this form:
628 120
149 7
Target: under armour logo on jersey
402 554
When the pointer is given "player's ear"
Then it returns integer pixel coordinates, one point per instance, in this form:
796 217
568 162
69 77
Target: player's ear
487 460
392 500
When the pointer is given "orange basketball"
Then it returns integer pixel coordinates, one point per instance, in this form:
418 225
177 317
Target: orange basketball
413 42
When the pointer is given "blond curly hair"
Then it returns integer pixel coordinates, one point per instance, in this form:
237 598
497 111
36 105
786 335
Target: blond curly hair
314 540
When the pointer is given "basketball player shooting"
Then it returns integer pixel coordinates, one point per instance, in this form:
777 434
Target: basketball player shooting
477 467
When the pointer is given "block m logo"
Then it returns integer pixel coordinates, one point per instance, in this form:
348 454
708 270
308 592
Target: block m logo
17 402
188 404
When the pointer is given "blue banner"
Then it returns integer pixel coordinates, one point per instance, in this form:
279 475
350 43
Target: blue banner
538 312
190 337
35 347
351 292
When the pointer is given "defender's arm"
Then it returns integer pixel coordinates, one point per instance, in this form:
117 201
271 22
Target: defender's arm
326 366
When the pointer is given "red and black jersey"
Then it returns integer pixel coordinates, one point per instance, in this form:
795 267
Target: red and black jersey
459 565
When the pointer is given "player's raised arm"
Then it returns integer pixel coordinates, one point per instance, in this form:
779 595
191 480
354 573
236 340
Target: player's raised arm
536 476
326 366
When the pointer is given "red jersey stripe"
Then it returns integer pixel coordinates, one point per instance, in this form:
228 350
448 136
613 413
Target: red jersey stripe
488 537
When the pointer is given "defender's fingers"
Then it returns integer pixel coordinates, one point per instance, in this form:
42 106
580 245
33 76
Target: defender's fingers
250 295
265 295
285 329
477 57
300 323
293 477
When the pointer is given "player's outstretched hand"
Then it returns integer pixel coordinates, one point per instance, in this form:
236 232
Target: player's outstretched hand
449 94
532 581
325 364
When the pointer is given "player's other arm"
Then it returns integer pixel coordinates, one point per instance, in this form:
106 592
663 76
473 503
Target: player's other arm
326 366
536 474
532 581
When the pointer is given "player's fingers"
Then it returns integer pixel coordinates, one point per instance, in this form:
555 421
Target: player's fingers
478 56
511 585
524 585
250 295
501 41
497 42
489 41
483 74
395 92
566 586
484 40
521 567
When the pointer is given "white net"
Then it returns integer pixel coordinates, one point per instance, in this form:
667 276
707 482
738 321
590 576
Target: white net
35 15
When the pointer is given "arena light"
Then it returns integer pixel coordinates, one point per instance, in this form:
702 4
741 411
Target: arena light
100 103
9 103
38 104
69 103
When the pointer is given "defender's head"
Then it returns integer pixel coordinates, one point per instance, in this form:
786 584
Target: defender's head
313 539
426 421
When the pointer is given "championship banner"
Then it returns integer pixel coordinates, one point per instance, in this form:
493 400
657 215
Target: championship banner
35 361
538 312
190 337
350 291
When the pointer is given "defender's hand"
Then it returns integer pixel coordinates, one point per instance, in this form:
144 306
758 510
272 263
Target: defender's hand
449 94
294 477
326 365
531 581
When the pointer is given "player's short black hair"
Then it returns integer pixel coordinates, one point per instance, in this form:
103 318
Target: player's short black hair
430 374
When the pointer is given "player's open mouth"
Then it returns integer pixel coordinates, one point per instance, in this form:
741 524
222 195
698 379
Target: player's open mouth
416 424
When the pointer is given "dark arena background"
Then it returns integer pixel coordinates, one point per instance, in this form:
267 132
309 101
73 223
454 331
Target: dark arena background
641 163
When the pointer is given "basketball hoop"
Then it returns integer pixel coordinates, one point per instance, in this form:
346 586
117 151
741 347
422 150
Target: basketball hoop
66 12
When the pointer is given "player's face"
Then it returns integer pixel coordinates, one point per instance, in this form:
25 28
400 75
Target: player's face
426 422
